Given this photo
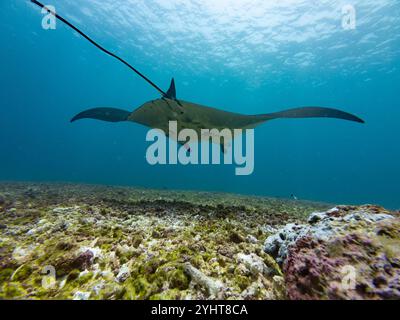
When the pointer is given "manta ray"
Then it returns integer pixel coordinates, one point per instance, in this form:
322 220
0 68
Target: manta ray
158 113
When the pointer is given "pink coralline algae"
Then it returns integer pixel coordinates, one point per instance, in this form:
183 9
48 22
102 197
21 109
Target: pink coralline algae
345 253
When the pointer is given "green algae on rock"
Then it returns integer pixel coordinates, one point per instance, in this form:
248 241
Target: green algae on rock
125 243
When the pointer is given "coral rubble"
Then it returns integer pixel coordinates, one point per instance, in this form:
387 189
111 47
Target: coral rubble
64 241
344 253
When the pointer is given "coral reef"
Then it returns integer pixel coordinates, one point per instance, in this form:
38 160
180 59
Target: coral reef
64 241
344 253
60 241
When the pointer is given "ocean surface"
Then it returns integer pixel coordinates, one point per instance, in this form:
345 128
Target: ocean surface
250 56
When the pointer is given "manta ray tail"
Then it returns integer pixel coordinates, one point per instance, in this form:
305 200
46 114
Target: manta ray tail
104 114
313 112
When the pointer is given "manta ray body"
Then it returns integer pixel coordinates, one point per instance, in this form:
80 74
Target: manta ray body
158 113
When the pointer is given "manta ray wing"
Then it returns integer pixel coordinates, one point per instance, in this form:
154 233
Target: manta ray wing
103 114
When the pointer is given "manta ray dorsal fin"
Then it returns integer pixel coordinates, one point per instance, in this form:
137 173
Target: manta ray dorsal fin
171 93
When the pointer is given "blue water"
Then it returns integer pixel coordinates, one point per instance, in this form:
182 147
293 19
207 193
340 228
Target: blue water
242 56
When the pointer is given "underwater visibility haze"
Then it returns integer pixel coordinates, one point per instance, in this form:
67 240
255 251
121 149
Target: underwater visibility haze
252 61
